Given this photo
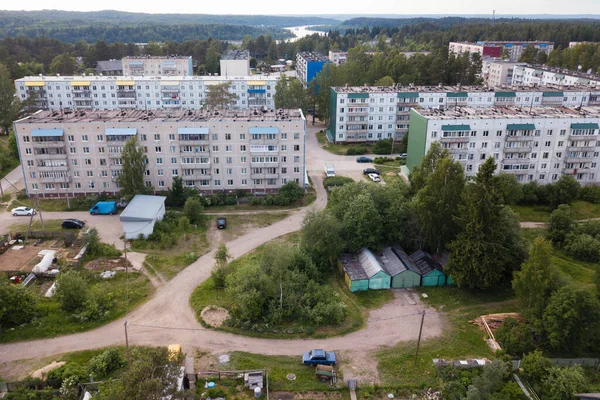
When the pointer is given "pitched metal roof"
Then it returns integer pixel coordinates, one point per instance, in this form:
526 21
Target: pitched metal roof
110 65
395 261
406 260
142 208
369 262
352 267
424 263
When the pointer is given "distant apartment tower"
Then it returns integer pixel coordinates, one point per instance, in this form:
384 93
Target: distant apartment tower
338 57
157 66
538 144
235 63
215 152
110 68
308 65
143 93
368 114
496 72
495 48
543 75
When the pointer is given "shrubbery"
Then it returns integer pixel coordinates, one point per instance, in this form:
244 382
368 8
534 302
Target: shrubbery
590 193
336 181
289 194
18 305
564 191
383 146
516 339
75 296
356 151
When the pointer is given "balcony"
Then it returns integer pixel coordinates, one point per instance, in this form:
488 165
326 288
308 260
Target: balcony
526 149
579 159
51 156
53 168
114 155
188 142
126 94
462 150
358 112
49 144
464 139
58 179
516 160
170 89
264 141
504 103
85 92
519 138
581 148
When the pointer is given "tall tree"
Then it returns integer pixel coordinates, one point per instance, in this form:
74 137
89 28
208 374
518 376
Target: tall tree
489 246
419 174
537 280
436 205
63 64
220 96
560 224
10 106
321 238
134 161
290 94
362 225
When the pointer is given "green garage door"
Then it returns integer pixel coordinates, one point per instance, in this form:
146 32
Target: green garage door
376 283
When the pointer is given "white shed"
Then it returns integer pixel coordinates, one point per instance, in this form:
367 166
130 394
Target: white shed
141 214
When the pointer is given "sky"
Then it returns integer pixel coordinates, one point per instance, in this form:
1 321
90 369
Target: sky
318 7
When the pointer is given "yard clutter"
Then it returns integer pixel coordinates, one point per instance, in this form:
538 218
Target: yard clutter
44 265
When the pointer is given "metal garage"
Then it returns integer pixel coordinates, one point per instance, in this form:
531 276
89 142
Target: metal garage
378 278
400 268
431 272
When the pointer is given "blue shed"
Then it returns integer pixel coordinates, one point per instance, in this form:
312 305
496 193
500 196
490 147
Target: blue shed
354 275
431 271
378 278
400 268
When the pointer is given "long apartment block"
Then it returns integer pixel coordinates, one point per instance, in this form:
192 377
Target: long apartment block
79 153
156 66
142 93
371 113
544 75
534 144
493 48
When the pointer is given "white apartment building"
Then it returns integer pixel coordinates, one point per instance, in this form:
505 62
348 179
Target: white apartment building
491 48
338 57
219 151
157 66
143 93
235 63
543 75
539 144
368 114
496 72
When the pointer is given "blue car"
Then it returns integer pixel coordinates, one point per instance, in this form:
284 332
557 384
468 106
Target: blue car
319 357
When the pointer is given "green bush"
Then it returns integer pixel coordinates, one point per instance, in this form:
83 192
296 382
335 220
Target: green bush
71 290
18 305
516 338
290 193
105 363
590 194
382 160
583 247
383 146
356 151
69 370
336 181
193 209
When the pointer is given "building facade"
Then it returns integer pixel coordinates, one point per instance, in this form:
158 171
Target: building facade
538 144
543 75
110 68
496 72
80 153
143 93
157 66
235 63
338 57
496 48
308 65
368 114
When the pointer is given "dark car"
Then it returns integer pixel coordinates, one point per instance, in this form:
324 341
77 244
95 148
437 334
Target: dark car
72 223
368 171
363 159
221 223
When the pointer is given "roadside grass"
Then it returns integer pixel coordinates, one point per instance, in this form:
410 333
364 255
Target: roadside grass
582 209
460 339
240 224
53 321
389 174
279 367
357 304
56 205
342 149
51 225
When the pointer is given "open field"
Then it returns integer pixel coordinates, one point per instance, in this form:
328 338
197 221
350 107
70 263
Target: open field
582 209
341 149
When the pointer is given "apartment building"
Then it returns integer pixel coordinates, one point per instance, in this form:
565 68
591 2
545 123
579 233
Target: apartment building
143 93
495 49
308 65
79 153
338 57
110 68
496 72
367 114
235 63
157 66
538 144
543 75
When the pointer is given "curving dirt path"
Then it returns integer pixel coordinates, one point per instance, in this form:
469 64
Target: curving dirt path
168 318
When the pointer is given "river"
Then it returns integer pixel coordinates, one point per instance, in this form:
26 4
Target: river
302 31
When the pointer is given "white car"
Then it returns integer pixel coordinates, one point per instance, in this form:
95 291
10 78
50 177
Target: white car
375 177
23 211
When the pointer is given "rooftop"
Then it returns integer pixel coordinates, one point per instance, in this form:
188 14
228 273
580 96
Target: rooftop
171 57
109 65
369 262
395 261
352 267
498 42
565 71
469 89
142 208
311 56
236 55
424 262
510 112
116 79
162 115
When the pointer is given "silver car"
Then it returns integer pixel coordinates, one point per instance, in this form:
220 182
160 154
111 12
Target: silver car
23 211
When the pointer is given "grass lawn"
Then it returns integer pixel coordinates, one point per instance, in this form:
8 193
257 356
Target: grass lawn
341 149
51 225
240 224
460 340
582 209
389 174
53 321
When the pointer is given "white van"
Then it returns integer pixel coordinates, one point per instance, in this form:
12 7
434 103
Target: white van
329 170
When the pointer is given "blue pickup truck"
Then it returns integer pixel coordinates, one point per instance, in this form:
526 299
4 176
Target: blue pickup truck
319 357
104 208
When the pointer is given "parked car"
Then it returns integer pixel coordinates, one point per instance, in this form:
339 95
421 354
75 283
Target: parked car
104 208
375 177
370 171
319 357
221 223
72 223
363 159
402 155
23 211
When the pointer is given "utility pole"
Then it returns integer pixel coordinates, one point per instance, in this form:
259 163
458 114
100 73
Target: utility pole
419 340
127 347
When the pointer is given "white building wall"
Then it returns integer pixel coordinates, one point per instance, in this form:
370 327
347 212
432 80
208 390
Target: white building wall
157 66
231 68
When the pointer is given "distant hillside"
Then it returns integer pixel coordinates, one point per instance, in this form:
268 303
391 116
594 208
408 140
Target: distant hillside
112 26
448 21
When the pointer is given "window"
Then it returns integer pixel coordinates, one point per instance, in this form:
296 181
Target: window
296 136
484 145
296 147
84 138
498 133
175 172
545 155
100 149
228 136
433 135
217 182
171 136
158 149
230 182
72 150
242 136
34 186
173 160
159 160
100 138
215 148
70 138
547 144
143 137
160 172
482 156
550 132
228 148
86 150
486 133
215 136
216 160
229 160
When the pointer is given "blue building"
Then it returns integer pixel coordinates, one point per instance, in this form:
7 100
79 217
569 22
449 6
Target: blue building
308 65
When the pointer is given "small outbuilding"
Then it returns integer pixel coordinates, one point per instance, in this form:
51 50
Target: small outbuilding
141 214
431 271
400 268
355 276
378 278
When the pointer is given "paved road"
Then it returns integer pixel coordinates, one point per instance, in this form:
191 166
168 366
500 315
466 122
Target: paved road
12 181
167 318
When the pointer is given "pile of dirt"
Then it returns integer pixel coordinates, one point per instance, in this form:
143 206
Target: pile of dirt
42 372
494 321
117 264
214 316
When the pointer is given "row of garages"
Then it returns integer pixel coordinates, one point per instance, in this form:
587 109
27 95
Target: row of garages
391 268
